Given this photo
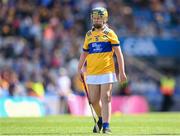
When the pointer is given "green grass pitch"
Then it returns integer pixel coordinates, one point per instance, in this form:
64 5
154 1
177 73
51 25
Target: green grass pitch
66 125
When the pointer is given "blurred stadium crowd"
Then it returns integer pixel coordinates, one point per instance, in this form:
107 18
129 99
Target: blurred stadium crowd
40 40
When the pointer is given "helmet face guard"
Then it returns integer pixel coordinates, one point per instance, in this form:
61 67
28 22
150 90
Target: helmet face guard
99 17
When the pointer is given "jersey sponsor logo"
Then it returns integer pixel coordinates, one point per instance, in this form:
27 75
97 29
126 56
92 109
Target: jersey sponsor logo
100 47
97 47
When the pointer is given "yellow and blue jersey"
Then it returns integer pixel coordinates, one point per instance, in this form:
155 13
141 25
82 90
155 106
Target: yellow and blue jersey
99 46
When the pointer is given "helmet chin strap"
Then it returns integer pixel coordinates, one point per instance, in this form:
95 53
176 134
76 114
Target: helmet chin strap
99 26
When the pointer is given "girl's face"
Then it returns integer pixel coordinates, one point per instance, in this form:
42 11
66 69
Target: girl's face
97 21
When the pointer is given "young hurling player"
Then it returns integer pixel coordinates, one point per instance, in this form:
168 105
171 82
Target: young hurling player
100 44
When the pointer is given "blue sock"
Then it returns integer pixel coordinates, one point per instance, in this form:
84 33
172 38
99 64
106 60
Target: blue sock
105 125
100 120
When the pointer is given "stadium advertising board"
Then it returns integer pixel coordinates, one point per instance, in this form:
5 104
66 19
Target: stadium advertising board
21 107
151 47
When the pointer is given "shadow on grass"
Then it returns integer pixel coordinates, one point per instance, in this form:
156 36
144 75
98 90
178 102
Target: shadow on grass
158 134
48 134
82 133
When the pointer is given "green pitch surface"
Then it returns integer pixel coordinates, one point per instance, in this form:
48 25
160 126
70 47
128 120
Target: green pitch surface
146 124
